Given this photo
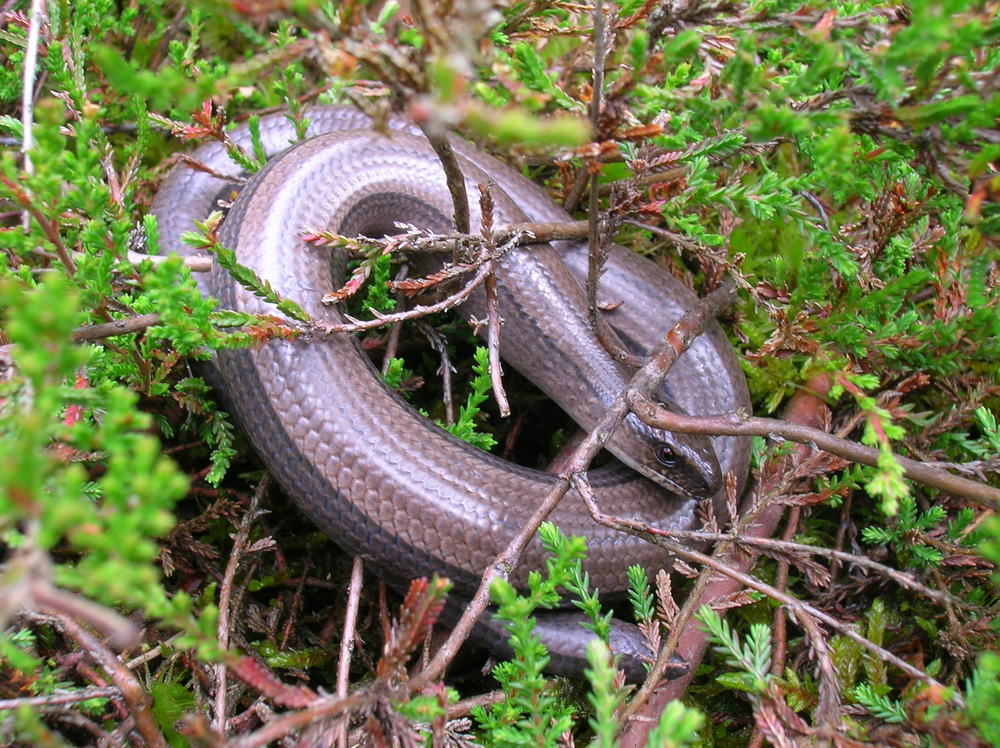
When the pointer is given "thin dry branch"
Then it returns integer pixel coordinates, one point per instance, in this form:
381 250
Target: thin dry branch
27 579
120 631
347 640
320 709
354 325
138 700
152 654
597 236
453 173
493 345
740 424
493 320
779 627
201 264
225 597
420 242
49 227
89 333
798 607
28 87
440 344
392 342
60 699
790 547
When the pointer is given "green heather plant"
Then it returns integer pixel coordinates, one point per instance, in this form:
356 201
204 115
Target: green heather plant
837 161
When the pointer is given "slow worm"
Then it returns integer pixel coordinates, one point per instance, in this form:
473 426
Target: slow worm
370 471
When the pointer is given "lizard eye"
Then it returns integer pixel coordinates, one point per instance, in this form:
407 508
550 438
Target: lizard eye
667 457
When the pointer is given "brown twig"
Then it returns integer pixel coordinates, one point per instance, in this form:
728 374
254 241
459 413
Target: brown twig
152 654
439 344
739 424
60 699
787 546
347 639
677 339
49 227
200 264
392 342
541 232
139 702
293 607
596 257
120 631
493 345
508 558
141 322
453 173
646 180
325 708
225 597
26 578
465 706
596 234
117 327
779 627
800 608
515 234
416 312
661 358
492 305
600 54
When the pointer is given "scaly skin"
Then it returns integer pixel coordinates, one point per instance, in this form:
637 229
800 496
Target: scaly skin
370 471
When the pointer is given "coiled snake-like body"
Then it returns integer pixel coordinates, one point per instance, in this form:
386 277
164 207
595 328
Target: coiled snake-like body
370 471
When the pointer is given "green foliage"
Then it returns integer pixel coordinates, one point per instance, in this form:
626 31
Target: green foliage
880 706
160 89
261 288
36 675
678 727
377 291
875 667
532 714
906 533
985 445
425 709
640 594
603 696
138 487
530 69
982 697
518 126
887 482
251 164
588 601
53 407
752 657
187 320
172 700
396 373
216 428
838 159
465 425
